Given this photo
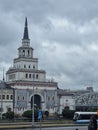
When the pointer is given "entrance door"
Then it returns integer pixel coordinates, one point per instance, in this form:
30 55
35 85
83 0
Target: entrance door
37 101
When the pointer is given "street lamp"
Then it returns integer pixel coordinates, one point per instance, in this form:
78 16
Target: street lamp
33 106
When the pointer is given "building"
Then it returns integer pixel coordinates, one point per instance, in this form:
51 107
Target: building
66 99
29 82
25 83
6 98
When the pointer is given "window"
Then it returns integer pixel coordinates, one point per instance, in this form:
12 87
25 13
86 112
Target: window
24 66
18 97
28 53
12 76
29 75
23 52
37 76
23 97
11 97
3 96
33 67
7 96
26 75
29 66
48 98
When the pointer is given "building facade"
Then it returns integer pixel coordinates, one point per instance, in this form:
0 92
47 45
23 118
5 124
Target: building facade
28 81
6 98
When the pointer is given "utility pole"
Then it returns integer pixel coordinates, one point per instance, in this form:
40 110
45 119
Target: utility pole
1 100
33 105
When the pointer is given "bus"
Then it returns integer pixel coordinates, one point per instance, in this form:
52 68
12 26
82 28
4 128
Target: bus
83 117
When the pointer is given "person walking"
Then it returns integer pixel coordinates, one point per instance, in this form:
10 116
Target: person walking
93 123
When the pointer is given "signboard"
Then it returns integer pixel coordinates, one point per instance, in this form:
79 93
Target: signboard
40 114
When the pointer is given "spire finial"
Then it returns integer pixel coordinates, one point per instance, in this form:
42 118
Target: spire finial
26 36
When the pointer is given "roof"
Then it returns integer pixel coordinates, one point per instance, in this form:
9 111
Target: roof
5 85
62 92
26 36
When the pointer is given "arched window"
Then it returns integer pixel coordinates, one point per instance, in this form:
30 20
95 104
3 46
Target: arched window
11 97
28 53
23 52
24 66
3 96
23 97
37 76
48 98
29 75
7 96
18 97
33 66
26 75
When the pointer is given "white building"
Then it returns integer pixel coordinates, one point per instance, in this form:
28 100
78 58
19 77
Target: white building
6 98
29 81
66 100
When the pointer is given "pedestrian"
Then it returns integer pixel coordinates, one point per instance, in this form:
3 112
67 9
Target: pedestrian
93 123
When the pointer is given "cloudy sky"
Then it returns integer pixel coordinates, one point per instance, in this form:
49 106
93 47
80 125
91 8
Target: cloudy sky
63 33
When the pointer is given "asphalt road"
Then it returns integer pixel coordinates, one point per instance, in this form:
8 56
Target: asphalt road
56 128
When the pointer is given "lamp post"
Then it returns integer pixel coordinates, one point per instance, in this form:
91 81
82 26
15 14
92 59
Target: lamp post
33 107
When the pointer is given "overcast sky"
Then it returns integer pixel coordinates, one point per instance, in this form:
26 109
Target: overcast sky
63 33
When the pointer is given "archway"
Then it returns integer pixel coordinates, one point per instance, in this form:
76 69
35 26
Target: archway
37 101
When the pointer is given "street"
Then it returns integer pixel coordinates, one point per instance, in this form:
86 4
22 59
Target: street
57 128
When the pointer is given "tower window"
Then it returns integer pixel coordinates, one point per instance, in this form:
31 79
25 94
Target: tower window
33 67
3 96
28 53
24 66
23 97
29 67
29 75
7 96
37 76
11 97
26 75
23 52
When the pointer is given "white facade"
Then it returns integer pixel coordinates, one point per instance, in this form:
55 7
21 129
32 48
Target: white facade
67 101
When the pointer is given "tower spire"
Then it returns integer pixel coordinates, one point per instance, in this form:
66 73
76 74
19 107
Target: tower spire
3 74
26 36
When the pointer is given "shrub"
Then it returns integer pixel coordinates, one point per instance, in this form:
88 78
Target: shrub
68 114
9 115
28 114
